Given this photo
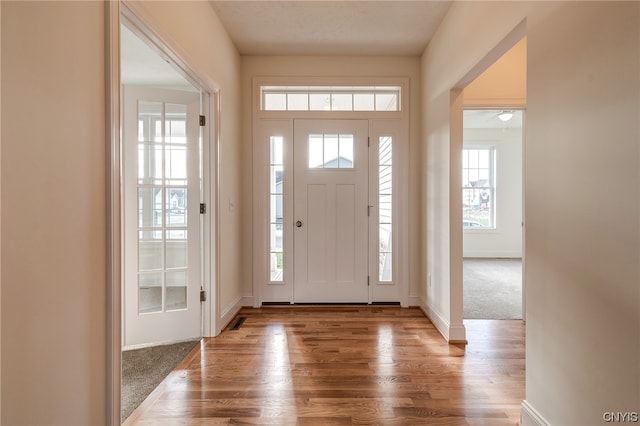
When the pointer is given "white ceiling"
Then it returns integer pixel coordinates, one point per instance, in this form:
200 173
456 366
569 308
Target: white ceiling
327 27
488 119
300 27
140 64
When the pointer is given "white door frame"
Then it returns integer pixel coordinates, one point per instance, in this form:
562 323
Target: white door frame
281 122
135 14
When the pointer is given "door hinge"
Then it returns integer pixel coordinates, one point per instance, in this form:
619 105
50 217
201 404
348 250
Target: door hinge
368 141
203 296
369 210
368 281
203 120
203 208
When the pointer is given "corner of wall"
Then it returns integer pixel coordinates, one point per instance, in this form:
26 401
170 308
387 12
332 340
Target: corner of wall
451 333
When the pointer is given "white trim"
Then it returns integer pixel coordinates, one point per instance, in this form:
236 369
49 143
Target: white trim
113 234
212 196
510 254
166 46
401 246
529 416
451 333
229 314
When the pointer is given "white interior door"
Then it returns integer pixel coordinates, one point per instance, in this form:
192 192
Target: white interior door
162 274
330 211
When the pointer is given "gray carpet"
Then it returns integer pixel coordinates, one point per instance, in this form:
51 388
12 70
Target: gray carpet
492 288
144 369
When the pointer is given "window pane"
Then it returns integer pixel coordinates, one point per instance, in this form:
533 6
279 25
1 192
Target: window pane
176 164
149 121
319 101
149 207
175 124
477 208
341 102
176 207
473 177
385 267
473 158
386 151
316 151
386 102
149 163
275 186
176 254
176 234
150 292
385 208
298 102
276 237
385 180
363 102
483 158
330 151
277 267
149 254
176 290
275 102
345 159
277 153
275 215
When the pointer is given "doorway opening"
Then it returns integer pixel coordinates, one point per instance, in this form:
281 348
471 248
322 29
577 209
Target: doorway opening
492 189
492 214
162 184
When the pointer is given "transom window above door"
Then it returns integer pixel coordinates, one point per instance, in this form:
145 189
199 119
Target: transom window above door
330 98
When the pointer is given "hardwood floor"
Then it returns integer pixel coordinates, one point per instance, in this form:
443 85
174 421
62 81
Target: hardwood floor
344 365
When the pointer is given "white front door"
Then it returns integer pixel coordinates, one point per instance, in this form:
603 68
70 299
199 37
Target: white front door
330 211
161 157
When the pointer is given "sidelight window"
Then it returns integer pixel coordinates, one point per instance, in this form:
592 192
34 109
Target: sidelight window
276 229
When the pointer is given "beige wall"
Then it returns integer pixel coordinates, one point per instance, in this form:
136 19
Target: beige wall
582 241
53 197
53 214
336 66
582 212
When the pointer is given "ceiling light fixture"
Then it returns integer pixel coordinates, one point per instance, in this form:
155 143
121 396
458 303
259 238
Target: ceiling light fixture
505 115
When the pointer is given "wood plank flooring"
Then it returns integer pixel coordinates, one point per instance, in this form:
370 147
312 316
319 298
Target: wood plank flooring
344 365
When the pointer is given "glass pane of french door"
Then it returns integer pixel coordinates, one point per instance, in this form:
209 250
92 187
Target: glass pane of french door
162 207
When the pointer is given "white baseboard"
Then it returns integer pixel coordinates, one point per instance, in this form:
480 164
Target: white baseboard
449 332
231 311
529 416
493 254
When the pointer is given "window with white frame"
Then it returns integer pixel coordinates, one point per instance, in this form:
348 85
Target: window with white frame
276 203
385 208
330 98
478 188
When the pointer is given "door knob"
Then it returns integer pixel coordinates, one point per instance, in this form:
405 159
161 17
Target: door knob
299 224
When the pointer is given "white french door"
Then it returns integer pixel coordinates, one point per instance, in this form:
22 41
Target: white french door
330 215
161 212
